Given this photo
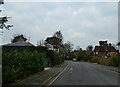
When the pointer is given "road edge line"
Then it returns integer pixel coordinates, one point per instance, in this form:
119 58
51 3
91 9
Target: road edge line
51 77
57 76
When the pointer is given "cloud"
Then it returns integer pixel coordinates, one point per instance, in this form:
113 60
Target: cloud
61 0
81 23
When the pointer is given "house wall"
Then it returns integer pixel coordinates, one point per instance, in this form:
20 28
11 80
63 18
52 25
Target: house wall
104 54
101 53
112 53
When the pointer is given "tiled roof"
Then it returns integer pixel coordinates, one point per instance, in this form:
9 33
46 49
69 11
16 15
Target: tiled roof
20 43
103 49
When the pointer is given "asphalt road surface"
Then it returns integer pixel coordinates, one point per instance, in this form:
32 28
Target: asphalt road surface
82 73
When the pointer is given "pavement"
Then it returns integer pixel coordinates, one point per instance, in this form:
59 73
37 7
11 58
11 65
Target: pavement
41 78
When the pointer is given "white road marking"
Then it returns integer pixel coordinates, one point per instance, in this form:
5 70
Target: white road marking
58 75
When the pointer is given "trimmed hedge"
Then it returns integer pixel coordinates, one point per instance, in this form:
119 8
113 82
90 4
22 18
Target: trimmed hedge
20 64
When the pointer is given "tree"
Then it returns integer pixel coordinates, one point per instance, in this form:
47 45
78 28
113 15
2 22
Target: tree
1 2
118 43
58 34
19 38
53 41
4 20
41 43
89 48
103 43
110 44
78 48
68 46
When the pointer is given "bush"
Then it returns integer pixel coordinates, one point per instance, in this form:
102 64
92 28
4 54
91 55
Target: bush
54 58
101 61
83 56
115 60
19 64
94 59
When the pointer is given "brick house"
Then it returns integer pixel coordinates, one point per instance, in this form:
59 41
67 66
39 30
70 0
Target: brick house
104 51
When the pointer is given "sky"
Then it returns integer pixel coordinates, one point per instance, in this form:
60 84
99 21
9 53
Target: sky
81 23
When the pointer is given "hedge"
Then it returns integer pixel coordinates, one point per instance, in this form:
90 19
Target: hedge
83 56
20 64
54 58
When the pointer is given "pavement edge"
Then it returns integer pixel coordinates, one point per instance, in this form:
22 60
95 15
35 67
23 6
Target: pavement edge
50 80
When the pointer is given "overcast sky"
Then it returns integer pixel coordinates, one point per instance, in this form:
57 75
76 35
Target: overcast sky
81 23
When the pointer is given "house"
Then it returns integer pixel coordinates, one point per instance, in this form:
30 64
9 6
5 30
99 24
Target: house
19 40
19 43
104 51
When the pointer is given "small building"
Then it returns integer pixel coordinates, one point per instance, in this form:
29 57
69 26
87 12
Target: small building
104 51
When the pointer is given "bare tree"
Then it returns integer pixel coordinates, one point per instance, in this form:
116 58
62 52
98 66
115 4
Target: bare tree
41 43
68 47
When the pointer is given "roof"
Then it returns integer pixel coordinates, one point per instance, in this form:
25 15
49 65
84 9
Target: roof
103 49
19 43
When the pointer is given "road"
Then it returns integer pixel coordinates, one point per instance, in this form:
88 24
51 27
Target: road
86 74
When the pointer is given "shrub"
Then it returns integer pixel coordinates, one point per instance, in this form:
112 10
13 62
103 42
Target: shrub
101 61
54 58
19 64
94 59
83 56
115 60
